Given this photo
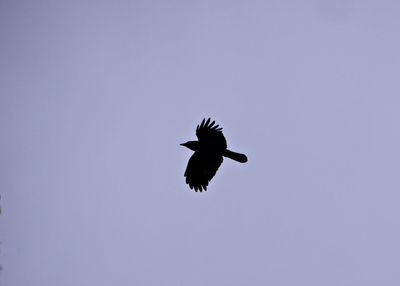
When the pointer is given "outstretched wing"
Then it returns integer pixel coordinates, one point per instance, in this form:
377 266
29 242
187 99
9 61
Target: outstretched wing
201 169
211 135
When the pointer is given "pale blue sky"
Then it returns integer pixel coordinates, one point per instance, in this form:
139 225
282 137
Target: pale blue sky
96 96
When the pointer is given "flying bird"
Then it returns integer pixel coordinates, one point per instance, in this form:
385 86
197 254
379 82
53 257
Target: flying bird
208 155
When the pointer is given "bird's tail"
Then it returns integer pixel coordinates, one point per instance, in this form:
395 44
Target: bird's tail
236 156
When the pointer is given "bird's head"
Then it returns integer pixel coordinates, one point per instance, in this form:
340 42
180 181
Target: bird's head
192 145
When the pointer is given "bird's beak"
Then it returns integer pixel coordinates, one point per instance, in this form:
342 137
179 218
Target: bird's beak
183 144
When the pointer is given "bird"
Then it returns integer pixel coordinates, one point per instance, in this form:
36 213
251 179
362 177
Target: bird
208 155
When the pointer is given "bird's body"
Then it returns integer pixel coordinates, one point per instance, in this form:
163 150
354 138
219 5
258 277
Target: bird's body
208 155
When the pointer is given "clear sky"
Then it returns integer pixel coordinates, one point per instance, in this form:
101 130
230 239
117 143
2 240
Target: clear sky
96 96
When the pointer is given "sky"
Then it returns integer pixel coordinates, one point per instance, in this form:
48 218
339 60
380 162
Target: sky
96 96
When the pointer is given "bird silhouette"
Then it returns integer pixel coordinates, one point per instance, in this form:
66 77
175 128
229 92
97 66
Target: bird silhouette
208 155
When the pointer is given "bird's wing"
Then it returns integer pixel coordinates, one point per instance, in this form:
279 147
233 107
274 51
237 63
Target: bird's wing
211 134
201 169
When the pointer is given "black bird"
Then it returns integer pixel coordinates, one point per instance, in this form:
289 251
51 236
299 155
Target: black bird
208 155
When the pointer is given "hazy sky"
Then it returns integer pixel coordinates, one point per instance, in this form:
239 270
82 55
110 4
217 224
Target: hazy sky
96 96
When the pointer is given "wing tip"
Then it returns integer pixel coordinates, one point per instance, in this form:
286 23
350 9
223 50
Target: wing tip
206 123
